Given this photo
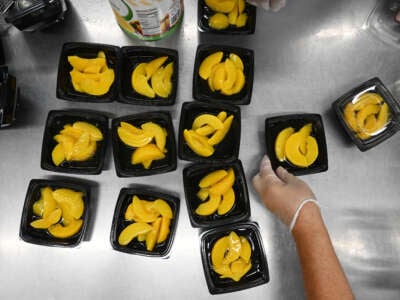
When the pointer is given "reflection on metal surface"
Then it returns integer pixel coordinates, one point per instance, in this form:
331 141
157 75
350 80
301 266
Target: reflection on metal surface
344 32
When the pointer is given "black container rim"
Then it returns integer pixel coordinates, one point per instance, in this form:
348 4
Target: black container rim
187 106
242 216
323 166
171 166
255 228
67 183
154 193
81 113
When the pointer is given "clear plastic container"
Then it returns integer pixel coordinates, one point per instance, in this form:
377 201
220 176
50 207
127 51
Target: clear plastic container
384 22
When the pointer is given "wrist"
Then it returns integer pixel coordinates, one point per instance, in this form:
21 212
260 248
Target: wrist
309 218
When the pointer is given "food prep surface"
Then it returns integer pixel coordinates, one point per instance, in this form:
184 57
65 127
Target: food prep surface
306 57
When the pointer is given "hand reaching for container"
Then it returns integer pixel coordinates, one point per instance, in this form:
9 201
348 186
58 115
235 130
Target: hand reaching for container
274 5
286 195
281 192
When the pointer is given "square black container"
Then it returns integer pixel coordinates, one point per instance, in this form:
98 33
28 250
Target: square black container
56 120
240 211
204 13
41 236
122 152
227 150
202 92
273 127
119 222
131 56
66 91
373 85
257 275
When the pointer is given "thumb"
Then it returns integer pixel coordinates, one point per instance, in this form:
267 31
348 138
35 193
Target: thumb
285 176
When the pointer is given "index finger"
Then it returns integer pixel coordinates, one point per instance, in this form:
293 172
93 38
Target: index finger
266 172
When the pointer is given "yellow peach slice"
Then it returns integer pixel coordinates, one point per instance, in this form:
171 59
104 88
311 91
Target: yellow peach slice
362 114
367 99
71 199
238 85
58 154
152 66
129 213
94 132
292 150
370 123
212 178
208 63
101 86
84 148
139 81
220 75
220 134
49 203
245 251
156 131
71 131
139 210
218 21
203 194
167 82
241 6
68 143
237 61
241 20
383 116
224 6
223 270
46 222
218 251
157 83
207 129
152 235
131 128
312 150
234 248
164 230
146 153
231 75
228 201
207 119
209 207
38 207
132 231
239 268
233 14
280 142
197 143
350 116
223 185
304 132
133 139
163 208
71 229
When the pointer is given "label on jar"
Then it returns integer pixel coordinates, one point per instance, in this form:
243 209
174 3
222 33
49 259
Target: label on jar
148 19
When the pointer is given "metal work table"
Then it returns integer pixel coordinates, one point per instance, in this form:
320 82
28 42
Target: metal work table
306 56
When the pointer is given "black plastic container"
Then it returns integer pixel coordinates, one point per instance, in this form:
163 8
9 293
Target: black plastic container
204 13
56 120
122 152
373 85
130 58
257 275
41 236
8 97
202 92
66 91
119 222
273 127
239 212
227 150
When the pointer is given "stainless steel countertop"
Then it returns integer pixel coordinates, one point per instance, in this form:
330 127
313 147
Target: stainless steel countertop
306 56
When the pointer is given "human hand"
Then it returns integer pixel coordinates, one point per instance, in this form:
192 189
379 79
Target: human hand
281 192
274 5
